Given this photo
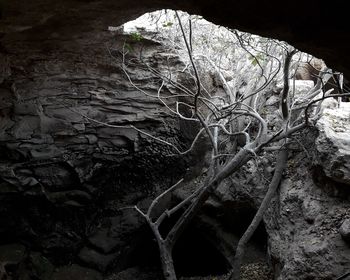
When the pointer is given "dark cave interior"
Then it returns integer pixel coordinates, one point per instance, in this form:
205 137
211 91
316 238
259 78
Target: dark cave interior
195 253
236 217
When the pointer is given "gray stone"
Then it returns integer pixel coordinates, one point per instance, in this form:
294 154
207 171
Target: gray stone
311 209
79 127
95 259
43 122
91 138
54 177
306 249
104 240
41 139
25 127
43 152
6 125
76 272
333 143
298 87
135 273
72 198
315 248
30 109
128 222
273 100
6 99
56 126
64 114
344 230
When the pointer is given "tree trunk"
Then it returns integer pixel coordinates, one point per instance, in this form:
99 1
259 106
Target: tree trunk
239 160
280 165
167 261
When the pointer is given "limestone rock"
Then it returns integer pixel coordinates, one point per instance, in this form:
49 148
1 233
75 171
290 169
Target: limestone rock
303 220
298 87
62 170
333 143
309 70
307 243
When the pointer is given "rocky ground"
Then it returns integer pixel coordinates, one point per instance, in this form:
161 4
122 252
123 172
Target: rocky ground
253 271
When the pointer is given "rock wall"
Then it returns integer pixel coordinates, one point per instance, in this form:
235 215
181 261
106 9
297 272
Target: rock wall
64 173
308 221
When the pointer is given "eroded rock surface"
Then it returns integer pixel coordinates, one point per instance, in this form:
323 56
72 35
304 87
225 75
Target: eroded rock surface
333 142
308 221
70 159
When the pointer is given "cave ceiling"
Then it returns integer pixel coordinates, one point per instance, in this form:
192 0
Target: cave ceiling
311 26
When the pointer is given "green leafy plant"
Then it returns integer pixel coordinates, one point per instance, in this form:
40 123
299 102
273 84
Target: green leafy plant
167 24
257 59
135 36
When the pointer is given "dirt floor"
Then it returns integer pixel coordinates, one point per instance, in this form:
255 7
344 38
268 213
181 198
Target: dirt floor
252 271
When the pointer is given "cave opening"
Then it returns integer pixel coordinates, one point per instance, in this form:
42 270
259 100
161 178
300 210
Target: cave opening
207 246
193 254
236 217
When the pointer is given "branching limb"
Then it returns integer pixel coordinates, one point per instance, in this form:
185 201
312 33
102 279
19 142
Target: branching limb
318 100
159 197
280 166
197 80
285 91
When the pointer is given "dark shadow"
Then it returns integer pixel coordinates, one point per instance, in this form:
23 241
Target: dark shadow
193 254
235 217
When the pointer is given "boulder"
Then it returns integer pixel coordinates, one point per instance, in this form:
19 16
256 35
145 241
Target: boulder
333 143
311 209
96 260
104 240
344 230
